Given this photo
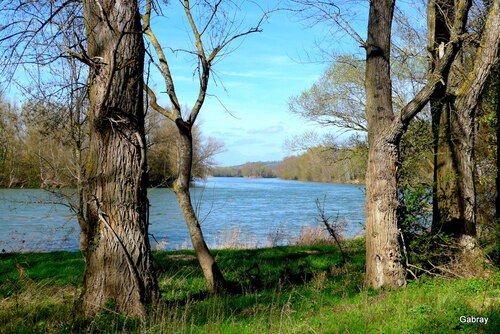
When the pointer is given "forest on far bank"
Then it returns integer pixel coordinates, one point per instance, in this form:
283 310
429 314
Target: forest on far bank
43 144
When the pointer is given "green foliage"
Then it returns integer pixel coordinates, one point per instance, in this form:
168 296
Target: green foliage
421 243
416 210
338 98
416 154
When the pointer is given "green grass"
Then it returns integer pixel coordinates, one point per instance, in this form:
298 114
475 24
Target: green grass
278 290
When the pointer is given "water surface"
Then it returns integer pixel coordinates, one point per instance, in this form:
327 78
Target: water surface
254 209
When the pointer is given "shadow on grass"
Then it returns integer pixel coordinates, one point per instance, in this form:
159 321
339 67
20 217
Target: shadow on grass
251 271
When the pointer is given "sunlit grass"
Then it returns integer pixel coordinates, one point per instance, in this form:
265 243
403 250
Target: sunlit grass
293 289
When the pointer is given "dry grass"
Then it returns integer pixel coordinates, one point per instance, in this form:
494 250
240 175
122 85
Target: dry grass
233 238
313 235
160 245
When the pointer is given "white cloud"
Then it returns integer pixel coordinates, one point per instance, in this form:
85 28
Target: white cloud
267 130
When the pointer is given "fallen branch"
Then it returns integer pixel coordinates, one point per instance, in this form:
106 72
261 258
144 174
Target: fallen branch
445 270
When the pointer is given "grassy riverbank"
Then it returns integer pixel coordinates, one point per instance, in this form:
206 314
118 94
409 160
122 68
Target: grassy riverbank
293 289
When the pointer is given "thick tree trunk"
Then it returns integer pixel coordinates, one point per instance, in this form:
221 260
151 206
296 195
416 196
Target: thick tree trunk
383 255
213 275
454 193
118 262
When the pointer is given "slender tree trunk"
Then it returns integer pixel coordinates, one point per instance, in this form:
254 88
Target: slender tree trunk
456 208
497 198
118 261
213 275
76 112
80 193
439 14
383 255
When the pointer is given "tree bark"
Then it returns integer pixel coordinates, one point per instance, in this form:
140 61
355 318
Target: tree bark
213 275
76 133
119 267
383 255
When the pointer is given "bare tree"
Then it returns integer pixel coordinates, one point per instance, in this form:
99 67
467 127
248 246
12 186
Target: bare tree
212 34
334 228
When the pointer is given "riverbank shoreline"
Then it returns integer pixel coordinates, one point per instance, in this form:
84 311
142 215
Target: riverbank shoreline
354 182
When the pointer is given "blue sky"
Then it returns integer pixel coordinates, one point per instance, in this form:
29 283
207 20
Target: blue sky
254 83
247 107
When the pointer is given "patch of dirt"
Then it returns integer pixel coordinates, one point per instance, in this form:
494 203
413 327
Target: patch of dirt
251 311
311 251
182 257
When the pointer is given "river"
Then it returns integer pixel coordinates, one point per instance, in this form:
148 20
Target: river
248 210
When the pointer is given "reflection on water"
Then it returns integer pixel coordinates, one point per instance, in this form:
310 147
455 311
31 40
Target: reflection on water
253 208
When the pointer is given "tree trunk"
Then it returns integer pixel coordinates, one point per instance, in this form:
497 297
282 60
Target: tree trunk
119 269
76 133
497 197
439 13
455 195
213 275
456 207
383 255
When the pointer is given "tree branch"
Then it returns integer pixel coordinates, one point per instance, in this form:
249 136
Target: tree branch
154 104
405 115
164 68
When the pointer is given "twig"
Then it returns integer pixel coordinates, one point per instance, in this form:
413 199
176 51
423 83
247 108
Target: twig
424 270
445 270
406 256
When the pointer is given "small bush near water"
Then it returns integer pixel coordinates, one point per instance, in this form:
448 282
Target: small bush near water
292 289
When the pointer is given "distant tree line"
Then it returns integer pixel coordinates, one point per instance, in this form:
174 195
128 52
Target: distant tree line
257 169
326 163
325 160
